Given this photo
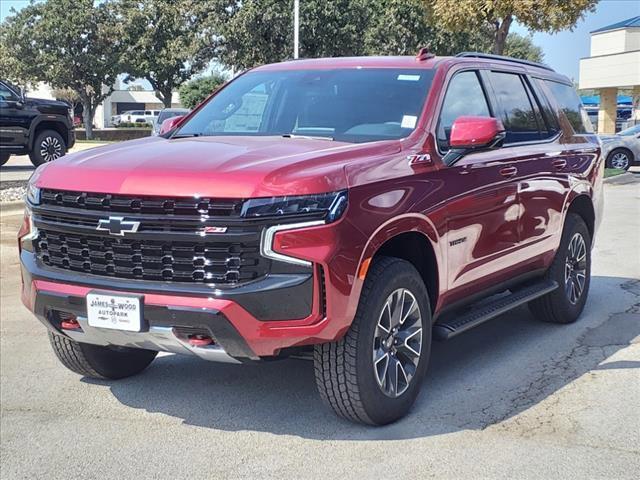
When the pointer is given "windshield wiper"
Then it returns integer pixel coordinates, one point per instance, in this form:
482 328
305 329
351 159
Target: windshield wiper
186 135
308 137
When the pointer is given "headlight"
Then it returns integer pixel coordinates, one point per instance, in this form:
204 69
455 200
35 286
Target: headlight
330 205
33 194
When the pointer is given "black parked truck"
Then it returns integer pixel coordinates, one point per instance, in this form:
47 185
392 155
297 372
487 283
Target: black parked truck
41 128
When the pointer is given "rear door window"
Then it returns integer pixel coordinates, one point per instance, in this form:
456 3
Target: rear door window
571 106
464 96
515 109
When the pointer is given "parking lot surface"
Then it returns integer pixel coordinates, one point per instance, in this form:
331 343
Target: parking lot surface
514 398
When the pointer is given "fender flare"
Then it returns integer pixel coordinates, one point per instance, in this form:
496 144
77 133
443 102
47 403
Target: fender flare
579 190
48 117
407 223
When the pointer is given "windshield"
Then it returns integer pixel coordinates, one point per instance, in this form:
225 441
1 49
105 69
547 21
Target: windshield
350 105
166 114
630 131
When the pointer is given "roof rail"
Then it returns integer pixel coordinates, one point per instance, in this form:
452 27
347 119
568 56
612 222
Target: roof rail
490 56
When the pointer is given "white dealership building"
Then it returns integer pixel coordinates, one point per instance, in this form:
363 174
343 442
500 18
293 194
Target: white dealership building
614 64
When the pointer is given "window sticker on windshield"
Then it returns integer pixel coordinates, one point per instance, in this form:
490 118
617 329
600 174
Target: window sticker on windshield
410 78
408 121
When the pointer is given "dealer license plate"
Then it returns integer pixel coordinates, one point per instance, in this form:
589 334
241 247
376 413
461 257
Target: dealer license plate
117 312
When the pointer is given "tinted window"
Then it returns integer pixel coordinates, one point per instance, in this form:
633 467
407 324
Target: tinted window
571 105
6 94
630 131
464 97
351 105
550 119
515 108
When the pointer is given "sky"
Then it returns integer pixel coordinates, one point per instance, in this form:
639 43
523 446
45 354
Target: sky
562 51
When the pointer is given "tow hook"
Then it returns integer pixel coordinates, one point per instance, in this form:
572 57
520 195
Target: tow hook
200 340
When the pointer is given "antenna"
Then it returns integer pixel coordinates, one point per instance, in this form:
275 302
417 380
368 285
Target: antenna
424 54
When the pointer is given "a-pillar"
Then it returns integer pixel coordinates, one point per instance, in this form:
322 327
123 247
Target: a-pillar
635 113
608 110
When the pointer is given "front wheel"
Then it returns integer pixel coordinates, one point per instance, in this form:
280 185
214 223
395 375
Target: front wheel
48 146
373 374
620 158
571 270
4 158
100 362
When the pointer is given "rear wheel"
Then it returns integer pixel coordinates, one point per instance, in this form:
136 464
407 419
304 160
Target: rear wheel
100 362
373 374
48 146
4 158
571 269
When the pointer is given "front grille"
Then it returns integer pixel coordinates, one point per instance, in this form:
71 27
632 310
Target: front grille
207 262
106 202
172 241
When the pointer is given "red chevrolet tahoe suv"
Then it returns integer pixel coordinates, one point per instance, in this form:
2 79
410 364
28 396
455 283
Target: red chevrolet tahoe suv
347 210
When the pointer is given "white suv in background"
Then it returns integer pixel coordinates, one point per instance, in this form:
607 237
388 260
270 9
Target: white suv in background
140 116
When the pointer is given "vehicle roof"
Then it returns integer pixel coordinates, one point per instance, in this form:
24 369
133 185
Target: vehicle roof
351 62
404 62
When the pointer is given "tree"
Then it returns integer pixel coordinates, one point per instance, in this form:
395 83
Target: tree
168 41
68 95
12 68
69 44
537 15
402 27
520 46
256 32
196 91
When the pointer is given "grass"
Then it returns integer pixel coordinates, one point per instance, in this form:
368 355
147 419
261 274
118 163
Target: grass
612 172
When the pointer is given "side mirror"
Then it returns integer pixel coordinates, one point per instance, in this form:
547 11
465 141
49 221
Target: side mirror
170 123
469 133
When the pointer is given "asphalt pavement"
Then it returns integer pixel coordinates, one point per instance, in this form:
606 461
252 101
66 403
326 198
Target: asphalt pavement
513 398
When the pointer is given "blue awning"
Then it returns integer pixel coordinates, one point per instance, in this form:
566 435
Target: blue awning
594 100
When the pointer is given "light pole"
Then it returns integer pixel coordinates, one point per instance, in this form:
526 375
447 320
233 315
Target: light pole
296 27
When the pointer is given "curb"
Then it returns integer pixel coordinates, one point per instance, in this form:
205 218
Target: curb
11 208
622 179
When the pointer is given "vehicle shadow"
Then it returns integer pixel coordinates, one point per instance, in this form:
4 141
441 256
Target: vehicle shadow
478 379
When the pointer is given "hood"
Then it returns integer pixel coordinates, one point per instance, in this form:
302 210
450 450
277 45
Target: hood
49 103
219 167
608 138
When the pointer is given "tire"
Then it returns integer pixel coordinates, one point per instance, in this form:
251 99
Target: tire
4 158
48 146
99 362
619 158
344 369
559 305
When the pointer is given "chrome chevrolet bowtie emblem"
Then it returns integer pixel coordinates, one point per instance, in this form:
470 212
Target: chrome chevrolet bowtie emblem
117 226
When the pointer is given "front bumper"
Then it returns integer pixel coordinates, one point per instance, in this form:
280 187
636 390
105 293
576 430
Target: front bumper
171 312
258 319
71 137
